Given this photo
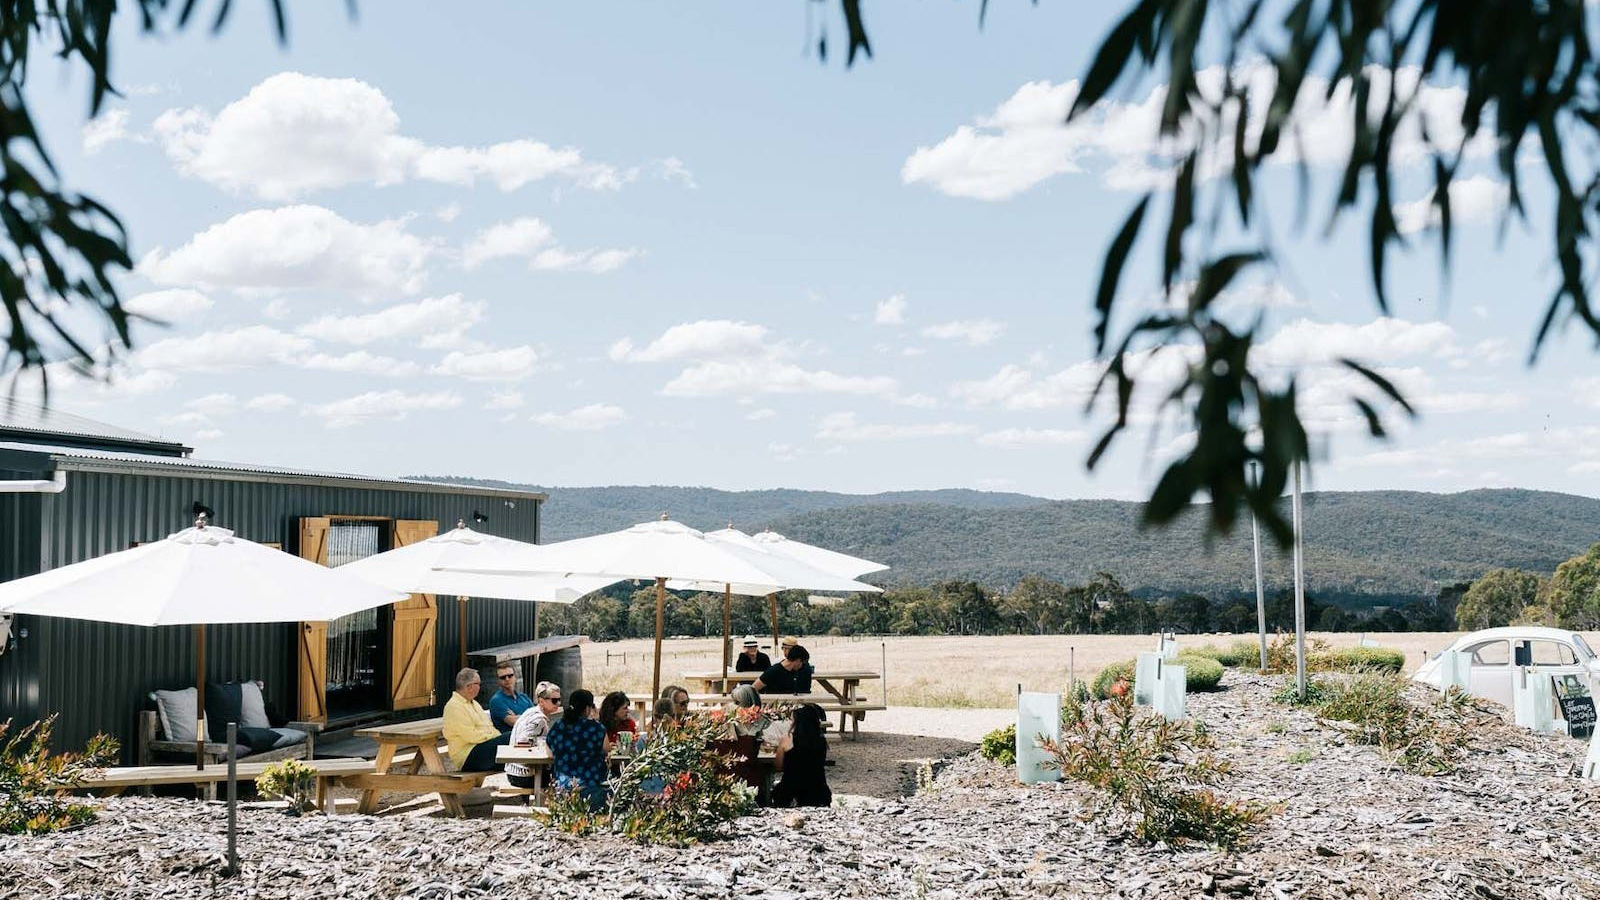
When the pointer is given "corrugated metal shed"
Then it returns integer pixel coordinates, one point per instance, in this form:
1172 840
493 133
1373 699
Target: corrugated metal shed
25 421
97 674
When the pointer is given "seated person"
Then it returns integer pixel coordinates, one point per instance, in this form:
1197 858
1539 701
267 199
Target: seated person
531 726
617 715
792 676
578 749
665 715
802 756
473 739
744 696
507 703
752 659
677 701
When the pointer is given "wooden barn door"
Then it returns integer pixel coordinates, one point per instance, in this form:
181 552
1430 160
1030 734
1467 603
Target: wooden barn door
411 644
313 642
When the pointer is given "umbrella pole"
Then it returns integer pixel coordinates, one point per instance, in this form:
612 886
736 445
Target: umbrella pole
772 598
200 696
461 607
727 627
661 605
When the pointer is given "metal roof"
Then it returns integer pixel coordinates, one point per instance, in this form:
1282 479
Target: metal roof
93 460
25 421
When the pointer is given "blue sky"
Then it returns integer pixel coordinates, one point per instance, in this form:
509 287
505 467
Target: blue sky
665 244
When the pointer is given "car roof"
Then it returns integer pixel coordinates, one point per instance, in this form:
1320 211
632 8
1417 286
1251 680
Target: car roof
1511 632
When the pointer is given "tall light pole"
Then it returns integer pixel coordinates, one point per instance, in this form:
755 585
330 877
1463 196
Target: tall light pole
1299 592
1261 596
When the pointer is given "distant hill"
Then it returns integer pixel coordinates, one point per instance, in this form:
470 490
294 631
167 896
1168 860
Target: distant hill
1361 547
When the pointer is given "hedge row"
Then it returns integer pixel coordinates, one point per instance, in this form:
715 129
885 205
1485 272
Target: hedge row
1203 674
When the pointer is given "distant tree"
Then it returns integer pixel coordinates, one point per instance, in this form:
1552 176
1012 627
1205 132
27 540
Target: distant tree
1445 603
1280 610
1237 617
1334 619
1038 605
1188 613
970 607
1496 599
1574 595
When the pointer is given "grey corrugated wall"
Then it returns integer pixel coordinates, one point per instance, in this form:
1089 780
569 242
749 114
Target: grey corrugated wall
96 674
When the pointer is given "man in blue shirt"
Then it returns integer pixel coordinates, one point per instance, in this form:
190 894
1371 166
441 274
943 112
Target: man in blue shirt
507 703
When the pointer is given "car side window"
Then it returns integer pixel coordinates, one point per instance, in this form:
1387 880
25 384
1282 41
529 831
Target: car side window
1553 653
1491 653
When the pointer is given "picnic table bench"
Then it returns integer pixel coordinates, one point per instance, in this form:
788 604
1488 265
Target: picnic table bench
538 759
114 781
841 693
426 773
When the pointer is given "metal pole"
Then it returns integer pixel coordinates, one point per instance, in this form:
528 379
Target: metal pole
1299 592
883 650
1072 672
1261 594
200 697
661 606
233 799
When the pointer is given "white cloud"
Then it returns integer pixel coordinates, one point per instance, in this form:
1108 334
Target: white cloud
890 311
359 362
277 308
758 415
518 237
173 305
593 417
295 133
217 404
713 339
106 129
118 384
448 213
599 262
389 405
748 378
504 400
217 351
271 403
974 331
1473 201
672 168
509 364
1304 342
1018 388
434 321
1019 438
1027 141
208 434
295 247
845 426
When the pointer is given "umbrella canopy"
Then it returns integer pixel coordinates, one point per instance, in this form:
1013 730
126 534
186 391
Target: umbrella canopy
434 566
199 576
775 556
665 550
814 556
419 569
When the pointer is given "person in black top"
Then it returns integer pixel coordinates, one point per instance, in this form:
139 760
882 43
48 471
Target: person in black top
752 659
802 756
792 676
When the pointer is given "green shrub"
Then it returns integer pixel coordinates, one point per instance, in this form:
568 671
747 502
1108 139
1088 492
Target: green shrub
701 793
1156 777
31 778
1201 673
1350 659
1372 708
1000 745
1240 654
292 781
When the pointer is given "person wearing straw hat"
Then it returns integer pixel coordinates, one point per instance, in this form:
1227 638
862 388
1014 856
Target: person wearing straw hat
752 659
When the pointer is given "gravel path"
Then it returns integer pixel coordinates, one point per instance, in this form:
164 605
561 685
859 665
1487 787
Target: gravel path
1511 824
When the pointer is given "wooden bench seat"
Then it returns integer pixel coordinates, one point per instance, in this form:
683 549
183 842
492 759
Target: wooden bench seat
114 781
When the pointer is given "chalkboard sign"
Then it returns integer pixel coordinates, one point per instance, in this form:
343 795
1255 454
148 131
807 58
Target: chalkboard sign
1577 705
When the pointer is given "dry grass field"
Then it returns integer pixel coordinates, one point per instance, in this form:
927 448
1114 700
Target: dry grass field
947 671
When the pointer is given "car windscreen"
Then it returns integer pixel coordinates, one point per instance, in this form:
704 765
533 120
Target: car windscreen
1583 648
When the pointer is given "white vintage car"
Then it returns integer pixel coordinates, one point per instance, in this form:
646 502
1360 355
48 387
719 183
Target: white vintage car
1496 651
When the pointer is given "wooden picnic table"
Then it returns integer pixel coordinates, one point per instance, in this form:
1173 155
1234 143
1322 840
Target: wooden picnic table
425 774
843 692
538 759
115 780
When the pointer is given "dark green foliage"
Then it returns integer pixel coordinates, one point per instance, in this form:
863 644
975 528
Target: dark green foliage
1000 745
1352 659
1496 599
1239 654
1574 599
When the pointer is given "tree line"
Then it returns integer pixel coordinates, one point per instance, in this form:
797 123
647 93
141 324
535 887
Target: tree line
1567 598
1036 605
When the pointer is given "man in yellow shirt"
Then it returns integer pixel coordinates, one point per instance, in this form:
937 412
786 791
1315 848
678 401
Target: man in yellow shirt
473 739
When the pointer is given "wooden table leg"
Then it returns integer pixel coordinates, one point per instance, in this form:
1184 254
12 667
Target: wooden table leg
429 754
369 797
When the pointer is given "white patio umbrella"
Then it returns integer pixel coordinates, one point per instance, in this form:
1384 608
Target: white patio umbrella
420 569
664 550
199 576
772 543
